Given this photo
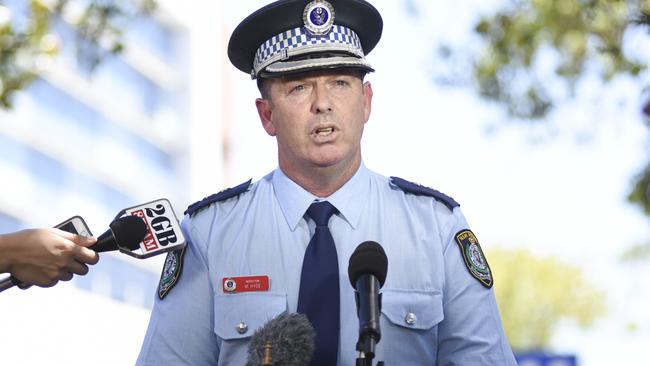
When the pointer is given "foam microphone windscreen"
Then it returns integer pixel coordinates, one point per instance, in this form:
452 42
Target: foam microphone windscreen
368 258
289 338
129 231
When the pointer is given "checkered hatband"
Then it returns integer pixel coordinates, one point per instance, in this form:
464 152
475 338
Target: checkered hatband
299 41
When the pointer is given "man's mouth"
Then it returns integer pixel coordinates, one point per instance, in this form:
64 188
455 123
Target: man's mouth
324 131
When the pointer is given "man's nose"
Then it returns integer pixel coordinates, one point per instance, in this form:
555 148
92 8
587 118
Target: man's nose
322 101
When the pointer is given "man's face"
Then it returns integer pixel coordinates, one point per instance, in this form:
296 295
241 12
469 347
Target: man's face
317 118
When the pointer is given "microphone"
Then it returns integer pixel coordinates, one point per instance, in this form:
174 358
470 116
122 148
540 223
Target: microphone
163 233
287 340
367 272
127 232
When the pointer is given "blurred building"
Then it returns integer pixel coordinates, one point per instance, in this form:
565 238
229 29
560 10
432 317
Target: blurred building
93 143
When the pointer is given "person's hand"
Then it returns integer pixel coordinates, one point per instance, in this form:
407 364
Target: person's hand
42 257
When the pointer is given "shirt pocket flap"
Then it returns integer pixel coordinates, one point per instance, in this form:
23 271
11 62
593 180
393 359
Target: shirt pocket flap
412 309
240 315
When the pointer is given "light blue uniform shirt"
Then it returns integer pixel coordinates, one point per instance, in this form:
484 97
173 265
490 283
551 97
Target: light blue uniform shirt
433 312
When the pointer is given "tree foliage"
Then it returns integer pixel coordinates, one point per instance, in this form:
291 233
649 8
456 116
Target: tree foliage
27 40
641 192
536 294
583 37
583 33
636 253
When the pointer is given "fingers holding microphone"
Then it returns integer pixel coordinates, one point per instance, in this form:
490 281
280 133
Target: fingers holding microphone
80 251
44 256
74 255
71 255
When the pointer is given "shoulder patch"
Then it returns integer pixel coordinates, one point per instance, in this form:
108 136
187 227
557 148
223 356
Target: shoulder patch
171 271
421 190
474 258
221 196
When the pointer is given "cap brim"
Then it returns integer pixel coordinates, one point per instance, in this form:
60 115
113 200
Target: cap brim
282 68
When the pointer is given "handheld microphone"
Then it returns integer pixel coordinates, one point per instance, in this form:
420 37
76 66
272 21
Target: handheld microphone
367 271
287 340
163 233
140 231
125 232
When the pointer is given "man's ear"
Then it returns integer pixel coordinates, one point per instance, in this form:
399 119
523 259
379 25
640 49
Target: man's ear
367 96
265 111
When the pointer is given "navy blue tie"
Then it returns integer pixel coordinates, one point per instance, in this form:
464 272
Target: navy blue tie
319 286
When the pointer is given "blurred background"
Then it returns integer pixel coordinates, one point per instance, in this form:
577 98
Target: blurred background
533 114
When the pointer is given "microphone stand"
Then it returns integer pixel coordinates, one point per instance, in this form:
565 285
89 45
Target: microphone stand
363 360
369 334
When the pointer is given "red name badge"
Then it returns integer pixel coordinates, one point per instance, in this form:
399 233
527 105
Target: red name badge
245 284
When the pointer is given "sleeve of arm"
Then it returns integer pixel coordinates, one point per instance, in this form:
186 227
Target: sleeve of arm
181 327
471 332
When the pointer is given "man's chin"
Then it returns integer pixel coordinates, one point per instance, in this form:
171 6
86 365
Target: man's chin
325 163
332 162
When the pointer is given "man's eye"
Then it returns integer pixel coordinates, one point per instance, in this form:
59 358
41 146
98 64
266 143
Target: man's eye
297 88
341 83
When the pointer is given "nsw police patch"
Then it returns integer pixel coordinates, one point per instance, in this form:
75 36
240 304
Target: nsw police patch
171 271
473 256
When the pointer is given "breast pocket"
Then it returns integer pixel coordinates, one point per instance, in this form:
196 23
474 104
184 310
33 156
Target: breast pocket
409 327
238 316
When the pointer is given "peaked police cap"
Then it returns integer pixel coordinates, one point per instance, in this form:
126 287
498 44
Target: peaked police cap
293 36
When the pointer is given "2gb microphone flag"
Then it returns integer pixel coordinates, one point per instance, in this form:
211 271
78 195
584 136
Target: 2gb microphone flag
163 230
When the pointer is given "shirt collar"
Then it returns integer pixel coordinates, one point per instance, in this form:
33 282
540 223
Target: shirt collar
350 199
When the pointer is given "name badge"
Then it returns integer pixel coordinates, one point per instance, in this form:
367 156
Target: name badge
245 284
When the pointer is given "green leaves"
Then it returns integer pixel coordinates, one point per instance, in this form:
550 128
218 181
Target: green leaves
581 35
577 31
641 192
536 294
18 52
26 47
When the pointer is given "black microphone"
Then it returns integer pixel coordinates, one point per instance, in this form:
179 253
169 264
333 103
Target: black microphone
287 340
127 232
367 271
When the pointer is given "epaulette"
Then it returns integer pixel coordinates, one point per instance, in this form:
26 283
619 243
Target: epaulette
421 190
221 196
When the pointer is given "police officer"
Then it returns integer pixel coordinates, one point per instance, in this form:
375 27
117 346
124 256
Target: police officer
283 243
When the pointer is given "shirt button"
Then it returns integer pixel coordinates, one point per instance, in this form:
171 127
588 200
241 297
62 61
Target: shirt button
241 328
410 319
